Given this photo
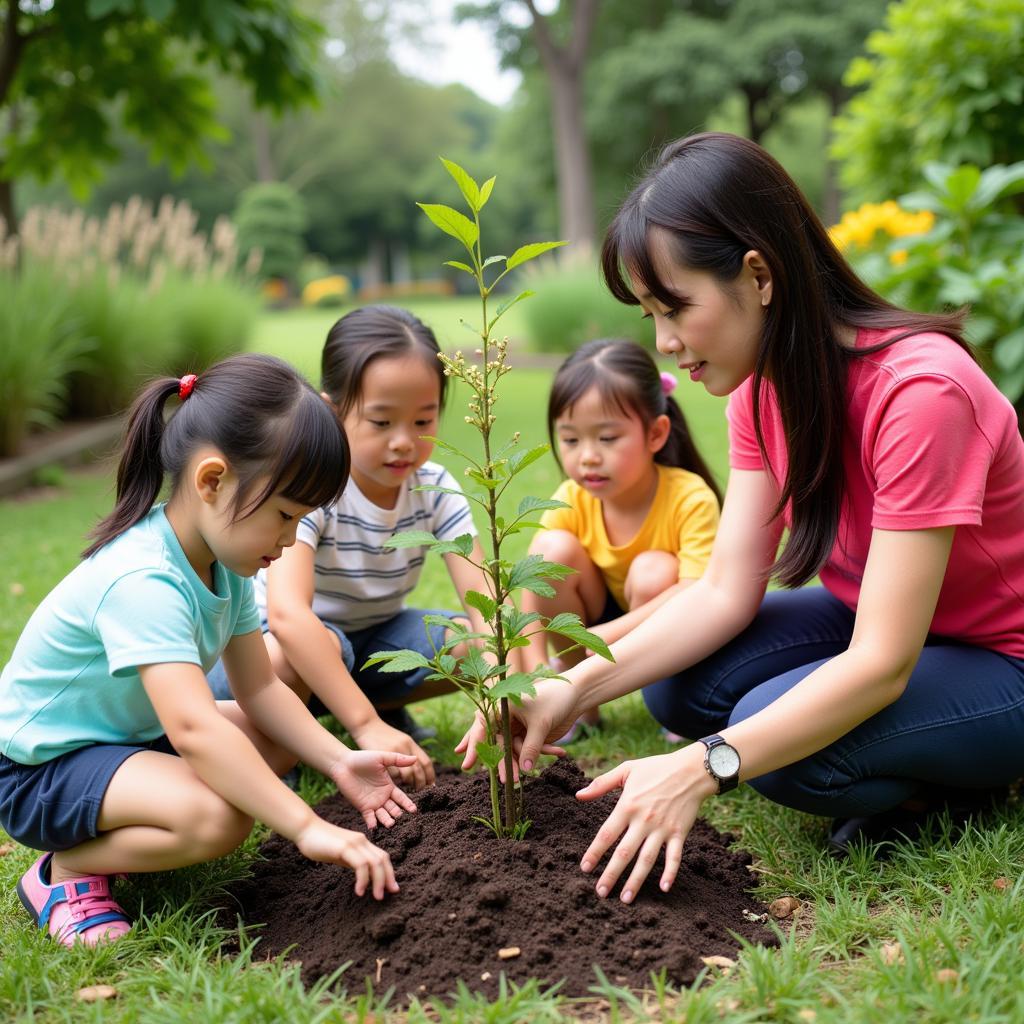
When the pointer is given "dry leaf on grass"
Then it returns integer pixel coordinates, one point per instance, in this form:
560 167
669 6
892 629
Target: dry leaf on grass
94 993
891 953
947 975
808 1015
1001 884
6 848
784 906
722 962
17 589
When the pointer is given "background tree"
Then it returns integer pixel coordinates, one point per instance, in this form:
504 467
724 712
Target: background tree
70 72
944 80
272 218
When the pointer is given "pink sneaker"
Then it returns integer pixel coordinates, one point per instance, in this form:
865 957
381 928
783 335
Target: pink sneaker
77 911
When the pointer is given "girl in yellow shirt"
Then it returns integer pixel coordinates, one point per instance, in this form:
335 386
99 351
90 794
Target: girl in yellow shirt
642 505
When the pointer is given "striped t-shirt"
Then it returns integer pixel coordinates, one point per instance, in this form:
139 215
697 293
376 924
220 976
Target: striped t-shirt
358 583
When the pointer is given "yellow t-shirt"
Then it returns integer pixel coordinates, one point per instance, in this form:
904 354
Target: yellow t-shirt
683 519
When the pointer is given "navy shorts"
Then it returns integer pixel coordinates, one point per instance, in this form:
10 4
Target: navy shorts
404 631
54 805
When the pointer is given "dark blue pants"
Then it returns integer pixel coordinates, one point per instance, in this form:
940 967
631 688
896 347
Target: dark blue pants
959 723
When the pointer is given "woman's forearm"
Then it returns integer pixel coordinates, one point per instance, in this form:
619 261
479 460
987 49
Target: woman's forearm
823 707
692 624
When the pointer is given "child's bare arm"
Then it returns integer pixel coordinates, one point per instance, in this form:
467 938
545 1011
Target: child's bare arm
314 656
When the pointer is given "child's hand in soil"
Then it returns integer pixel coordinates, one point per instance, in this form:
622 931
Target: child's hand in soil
324 842
536 722
364 780
378 735
661 797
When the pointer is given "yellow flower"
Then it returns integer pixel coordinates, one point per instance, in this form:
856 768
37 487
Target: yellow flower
335 287
898 257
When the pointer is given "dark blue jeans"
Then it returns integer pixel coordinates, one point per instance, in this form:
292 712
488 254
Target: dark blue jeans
958 723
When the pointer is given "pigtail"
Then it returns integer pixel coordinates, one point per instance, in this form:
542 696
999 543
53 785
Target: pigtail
680 449
140 473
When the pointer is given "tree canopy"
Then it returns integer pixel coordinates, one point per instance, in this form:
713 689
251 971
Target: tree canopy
71 73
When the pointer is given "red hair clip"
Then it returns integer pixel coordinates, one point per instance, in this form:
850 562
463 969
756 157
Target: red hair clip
185 385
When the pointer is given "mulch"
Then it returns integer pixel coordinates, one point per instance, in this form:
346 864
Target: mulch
467 896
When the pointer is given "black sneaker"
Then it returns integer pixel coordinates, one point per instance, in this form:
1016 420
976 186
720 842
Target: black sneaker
399 718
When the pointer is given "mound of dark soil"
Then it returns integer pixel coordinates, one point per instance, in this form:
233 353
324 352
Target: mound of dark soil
468 898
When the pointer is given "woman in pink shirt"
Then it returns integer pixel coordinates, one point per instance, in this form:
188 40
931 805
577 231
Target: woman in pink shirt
871 434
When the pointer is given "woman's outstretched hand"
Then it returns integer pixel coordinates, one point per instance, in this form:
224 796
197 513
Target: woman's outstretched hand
535 724
364 780
661 797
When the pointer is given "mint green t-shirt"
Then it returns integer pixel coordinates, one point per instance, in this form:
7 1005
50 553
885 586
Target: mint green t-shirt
73 681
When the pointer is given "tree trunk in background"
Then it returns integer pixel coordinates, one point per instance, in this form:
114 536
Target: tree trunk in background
265 169
564 66
831 196
7 211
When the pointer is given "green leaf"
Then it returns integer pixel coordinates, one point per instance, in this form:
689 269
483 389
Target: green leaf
447 446
475 665
467 186
514 687
505 307
485 192
515 621
461 545
484 604
397 661
482 479
1009 351
569 625
531 251
460 266
452 625
493 259
410 539
451 222
491 755
96 9
531 504
521 460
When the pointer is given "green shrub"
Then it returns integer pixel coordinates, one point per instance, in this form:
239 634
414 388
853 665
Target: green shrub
133 336
210 319
41 342
270 219
943 81
973 255
574 306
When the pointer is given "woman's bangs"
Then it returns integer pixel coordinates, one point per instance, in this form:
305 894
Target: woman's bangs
627 251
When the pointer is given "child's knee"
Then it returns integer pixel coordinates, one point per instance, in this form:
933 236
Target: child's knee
558 546
650 574
214 827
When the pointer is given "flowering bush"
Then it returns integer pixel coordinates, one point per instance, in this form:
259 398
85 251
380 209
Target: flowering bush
332 290
957 243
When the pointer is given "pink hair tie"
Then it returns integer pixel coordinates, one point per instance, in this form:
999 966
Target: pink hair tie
185 385
668 383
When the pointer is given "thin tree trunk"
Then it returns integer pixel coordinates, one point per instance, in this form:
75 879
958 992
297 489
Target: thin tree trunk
7 210
831 196
265 169
575 184
564 66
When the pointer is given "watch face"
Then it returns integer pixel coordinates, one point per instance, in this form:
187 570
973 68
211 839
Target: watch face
724 761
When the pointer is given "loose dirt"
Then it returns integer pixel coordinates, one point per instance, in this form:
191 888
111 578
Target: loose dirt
473 908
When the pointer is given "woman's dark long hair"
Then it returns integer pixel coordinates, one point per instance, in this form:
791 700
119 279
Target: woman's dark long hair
368 333
276 433
717 197
626 378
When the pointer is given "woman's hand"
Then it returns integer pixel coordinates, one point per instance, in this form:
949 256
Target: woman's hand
378 735
321 841
364 780
535 723
661 797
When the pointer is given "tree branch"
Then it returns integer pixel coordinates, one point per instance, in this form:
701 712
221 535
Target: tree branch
550 53
584 16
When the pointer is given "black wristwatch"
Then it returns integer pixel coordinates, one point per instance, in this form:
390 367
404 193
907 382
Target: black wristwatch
722 761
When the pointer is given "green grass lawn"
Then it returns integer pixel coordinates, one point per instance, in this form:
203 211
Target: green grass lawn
868 946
